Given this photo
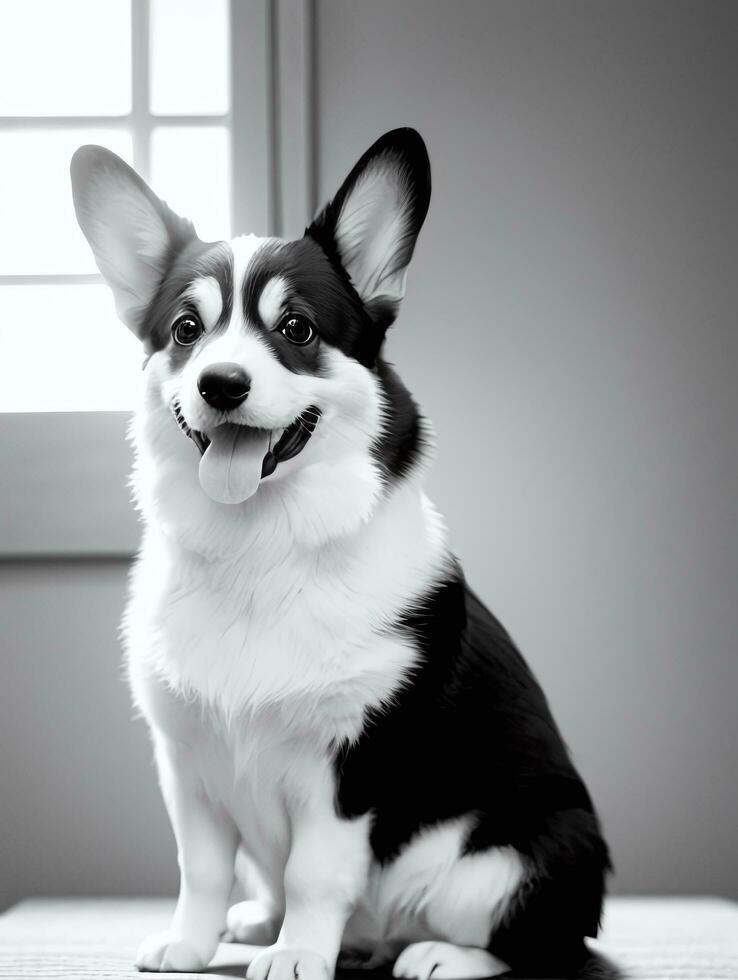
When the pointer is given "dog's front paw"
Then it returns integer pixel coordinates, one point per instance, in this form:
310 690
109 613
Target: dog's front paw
168 952
288 963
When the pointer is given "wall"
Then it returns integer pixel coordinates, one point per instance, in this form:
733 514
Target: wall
79 806
569 327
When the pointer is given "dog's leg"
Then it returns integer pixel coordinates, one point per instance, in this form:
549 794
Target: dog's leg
325 875
255 920
206 847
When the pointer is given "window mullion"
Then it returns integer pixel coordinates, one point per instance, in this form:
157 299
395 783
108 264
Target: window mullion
140 116
252 108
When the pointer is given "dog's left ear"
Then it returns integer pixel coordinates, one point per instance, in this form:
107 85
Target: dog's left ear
372 223
134 236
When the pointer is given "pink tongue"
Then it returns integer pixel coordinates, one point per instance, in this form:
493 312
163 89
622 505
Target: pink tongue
230 470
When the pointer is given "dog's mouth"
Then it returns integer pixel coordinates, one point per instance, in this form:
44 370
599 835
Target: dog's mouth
234 458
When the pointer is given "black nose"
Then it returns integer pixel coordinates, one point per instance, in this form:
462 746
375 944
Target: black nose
224 386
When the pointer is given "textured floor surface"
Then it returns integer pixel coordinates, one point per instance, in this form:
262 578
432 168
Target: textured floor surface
651 939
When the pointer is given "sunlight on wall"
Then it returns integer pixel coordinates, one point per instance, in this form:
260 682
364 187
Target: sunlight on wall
68 351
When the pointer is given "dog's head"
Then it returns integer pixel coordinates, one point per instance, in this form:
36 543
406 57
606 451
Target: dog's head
263 355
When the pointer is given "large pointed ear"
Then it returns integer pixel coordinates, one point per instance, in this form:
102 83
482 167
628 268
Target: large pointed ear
372 223
134 236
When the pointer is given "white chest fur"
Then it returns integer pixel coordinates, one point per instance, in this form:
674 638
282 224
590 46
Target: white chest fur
257 660
273 624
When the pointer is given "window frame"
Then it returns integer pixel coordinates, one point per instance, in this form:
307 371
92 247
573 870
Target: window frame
64 490
249 29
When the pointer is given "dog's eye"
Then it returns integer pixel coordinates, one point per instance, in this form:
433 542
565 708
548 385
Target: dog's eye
297 329
186 330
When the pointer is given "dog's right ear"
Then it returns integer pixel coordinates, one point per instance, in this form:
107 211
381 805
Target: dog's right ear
134 236
371 225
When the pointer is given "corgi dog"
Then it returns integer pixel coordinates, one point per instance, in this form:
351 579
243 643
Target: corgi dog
336 717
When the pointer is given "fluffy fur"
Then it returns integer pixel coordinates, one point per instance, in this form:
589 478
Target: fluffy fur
328 701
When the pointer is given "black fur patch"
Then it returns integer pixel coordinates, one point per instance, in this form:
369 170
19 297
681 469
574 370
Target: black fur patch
472 733
316 289
401 442
406 149
196 260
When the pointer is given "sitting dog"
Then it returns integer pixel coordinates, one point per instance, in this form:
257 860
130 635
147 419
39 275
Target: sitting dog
328 700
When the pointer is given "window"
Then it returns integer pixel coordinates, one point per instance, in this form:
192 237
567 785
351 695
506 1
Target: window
211 100
151 80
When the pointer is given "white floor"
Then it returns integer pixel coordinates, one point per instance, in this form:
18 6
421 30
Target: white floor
651 938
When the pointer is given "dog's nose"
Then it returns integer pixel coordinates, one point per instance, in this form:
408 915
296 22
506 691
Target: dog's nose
224 386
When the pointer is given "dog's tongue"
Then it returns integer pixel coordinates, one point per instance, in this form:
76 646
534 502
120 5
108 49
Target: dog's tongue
230 469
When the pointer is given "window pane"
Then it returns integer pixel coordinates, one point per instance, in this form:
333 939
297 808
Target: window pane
190 169
65 57
68 342
38 229
189 62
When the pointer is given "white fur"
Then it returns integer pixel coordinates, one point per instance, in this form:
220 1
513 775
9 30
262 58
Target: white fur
257 636
206 295
446 961
252 921
432 890
370 231
271 301
244 247
132 273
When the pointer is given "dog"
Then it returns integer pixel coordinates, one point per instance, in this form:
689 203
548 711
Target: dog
334 712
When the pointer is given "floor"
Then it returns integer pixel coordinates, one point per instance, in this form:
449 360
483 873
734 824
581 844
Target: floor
651 938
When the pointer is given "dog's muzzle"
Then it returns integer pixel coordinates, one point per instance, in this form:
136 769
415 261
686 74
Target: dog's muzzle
290 444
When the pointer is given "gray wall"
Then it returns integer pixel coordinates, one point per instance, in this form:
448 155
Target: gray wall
79 806
569 327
